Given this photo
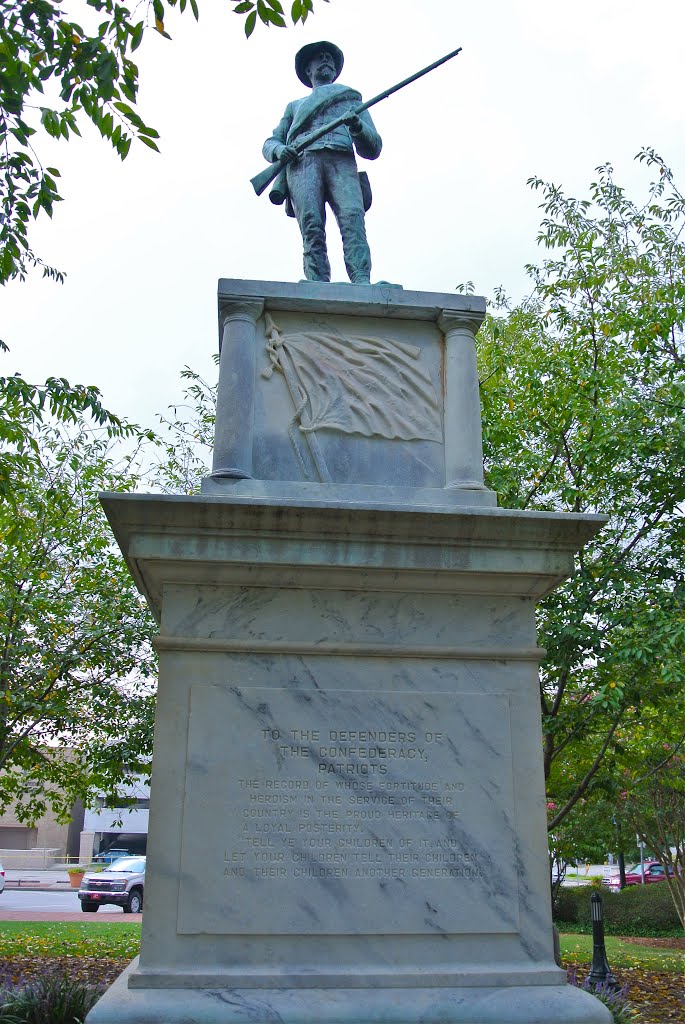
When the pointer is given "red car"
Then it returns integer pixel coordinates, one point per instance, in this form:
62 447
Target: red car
654 872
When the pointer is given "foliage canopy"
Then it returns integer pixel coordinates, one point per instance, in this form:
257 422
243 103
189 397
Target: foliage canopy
583 390
76 667
54 71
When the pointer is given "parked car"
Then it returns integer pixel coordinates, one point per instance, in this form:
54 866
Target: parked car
122 884
654 872
109 856
2 878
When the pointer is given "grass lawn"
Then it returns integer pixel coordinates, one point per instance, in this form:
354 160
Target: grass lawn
112 941
68 938
577 949
96 952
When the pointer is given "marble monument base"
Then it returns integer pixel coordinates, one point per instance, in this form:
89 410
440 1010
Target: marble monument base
347 818
513 1004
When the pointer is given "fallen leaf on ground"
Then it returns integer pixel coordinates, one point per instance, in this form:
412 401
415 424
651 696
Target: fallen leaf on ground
658 996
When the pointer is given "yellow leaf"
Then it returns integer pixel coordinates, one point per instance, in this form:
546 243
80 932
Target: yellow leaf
159 24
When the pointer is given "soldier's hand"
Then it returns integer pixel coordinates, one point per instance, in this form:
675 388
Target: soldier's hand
287 153
353 122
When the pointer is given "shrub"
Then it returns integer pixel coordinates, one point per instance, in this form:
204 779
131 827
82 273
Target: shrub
49 1001
616 1000
638 910
568 902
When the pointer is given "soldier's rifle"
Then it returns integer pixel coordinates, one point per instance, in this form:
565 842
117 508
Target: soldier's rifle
262 180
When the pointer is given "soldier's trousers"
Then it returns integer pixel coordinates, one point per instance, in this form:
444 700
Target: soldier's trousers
329 176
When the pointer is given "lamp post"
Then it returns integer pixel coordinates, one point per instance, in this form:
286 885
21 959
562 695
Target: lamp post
600 973
641 844
621 857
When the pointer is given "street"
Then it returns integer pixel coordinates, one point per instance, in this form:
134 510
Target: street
27 905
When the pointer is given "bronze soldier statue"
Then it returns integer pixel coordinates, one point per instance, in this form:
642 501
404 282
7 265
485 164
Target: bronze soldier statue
326 171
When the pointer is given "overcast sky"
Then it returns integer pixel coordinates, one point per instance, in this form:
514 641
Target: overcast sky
541 88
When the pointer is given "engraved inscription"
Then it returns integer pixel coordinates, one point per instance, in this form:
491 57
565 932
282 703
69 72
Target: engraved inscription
289 826
352 796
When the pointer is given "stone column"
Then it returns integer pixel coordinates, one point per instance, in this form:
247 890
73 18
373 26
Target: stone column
234 429
86 844
463 433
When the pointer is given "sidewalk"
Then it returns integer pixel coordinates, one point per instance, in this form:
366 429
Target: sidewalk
586 873
51 879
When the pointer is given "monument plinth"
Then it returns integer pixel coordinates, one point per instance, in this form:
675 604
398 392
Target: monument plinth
352 394
347 819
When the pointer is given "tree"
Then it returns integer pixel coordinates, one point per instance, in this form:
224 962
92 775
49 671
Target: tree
76 666
649 790
655 809
53 72
22 408
184 453
638 794
583 389
50 523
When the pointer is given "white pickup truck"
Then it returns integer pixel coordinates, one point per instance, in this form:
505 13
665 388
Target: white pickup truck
122 883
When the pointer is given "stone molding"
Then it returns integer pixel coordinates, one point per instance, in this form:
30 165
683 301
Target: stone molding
216 645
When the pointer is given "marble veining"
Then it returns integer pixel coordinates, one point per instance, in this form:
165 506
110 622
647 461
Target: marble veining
261 613
306 646
331 802
507 1004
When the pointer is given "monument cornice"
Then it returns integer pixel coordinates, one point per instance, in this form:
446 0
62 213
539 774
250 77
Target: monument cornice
196 540
376 300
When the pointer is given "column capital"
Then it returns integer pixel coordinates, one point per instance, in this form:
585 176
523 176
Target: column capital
460 319
240 309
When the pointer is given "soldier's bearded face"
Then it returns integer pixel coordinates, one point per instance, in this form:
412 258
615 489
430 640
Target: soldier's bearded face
321 66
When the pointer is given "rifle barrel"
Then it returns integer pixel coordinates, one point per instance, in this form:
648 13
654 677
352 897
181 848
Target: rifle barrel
265 177
407 81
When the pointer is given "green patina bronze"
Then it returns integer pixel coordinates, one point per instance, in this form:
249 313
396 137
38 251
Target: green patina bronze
312 159
325 173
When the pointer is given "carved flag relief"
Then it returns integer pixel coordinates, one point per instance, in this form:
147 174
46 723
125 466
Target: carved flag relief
357 385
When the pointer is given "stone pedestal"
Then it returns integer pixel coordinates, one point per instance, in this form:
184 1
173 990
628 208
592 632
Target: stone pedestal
348 394
347 818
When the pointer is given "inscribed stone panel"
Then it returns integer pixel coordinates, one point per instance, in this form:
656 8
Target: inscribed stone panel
340 812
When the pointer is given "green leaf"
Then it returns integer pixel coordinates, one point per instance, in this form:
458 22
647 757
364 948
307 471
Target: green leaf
137 35
149 142
125 109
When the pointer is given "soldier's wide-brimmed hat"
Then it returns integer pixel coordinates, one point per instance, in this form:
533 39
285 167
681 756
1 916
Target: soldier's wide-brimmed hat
303 56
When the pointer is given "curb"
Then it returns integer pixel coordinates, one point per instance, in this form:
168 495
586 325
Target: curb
31 886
